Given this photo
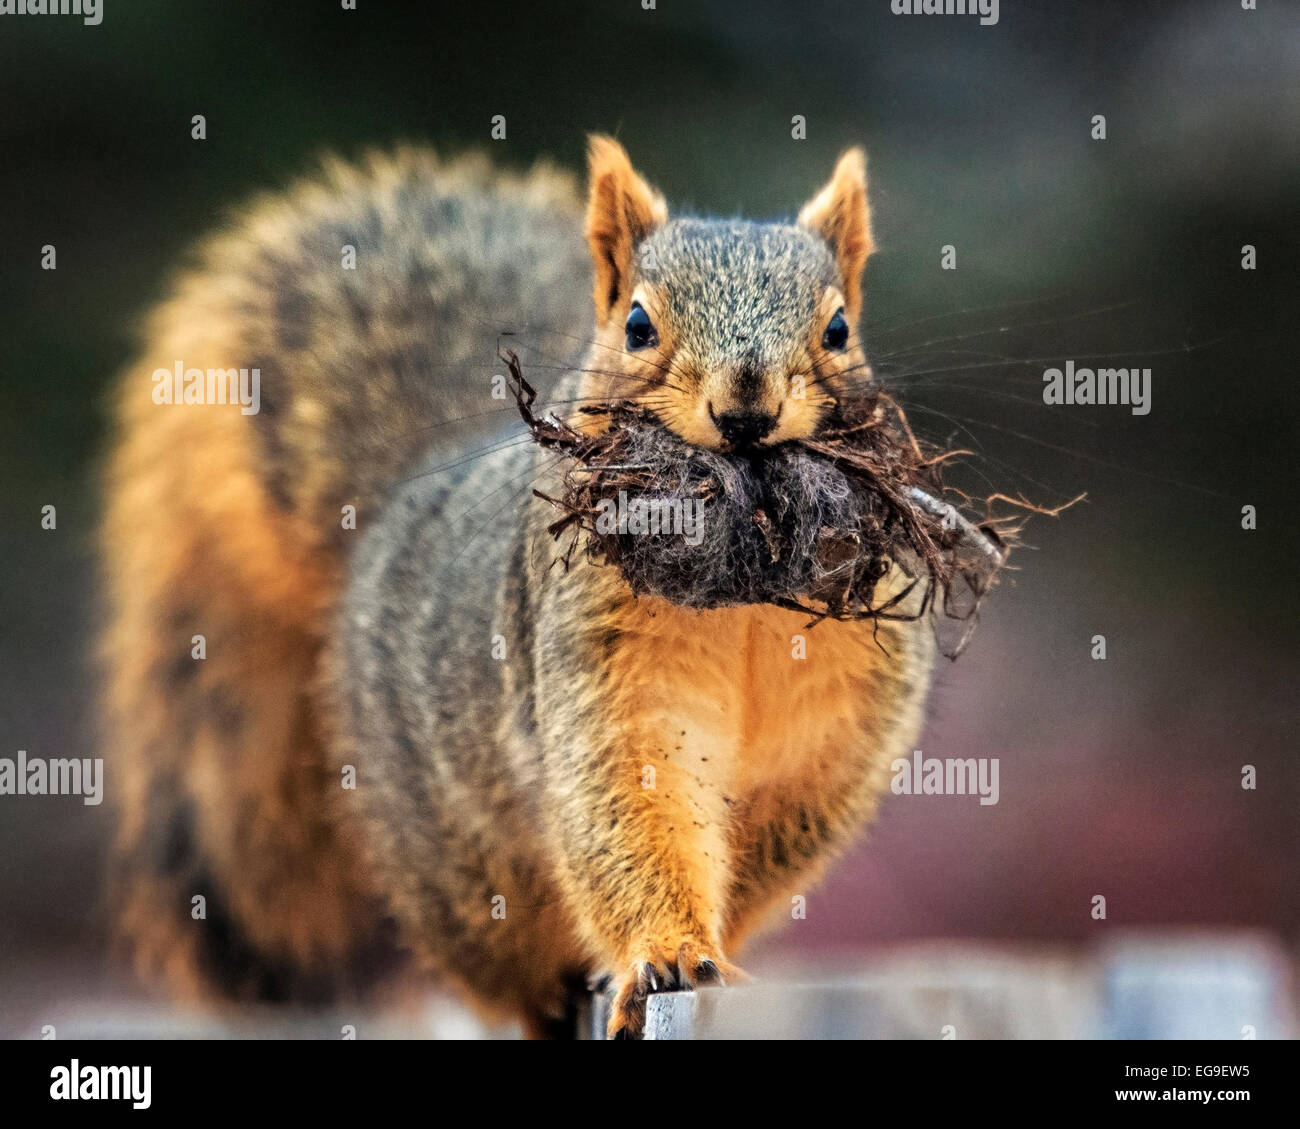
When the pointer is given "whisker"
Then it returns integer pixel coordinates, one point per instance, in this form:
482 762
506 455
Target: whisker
971 311
960 422
495 447
1057 358
1098 460
1055 320
512 500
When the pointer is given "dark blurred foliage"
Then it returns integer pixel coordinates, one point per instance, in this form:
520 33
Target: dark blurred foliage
1119 777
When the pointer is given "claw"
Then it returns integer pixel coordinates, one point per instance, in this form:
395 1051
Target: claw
709 973
662 970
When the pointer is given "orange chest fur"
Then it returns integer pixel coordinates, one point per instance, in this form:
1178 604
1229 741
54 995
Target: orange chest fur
756 688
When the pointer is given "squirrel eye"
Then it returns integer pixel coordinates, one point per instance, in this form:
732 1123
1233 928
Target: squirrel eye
639 329
837 332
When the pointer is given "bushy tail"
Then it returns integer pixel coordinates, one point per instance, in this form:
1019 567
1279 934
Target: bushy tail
364 308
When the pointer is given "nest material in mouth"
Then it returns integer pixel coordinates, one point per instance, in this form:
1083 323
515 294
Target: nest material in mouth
810 524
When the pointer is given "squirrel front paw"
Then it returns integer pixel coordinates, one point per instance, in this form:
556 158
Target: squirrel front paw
663 968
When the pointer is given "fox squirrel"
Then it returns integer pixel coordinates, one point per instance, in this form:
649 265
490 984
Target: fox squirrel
504 721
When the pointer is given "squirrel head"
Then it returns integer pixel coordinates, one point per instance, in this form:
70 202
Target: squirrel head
736 334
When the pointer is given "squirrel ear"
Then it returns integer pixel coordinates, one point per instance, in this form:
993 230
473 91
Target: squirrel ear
621 211
839 213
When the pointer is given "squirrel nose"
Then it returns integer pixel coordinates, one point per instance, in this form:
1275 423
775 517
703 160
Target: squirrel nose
744 429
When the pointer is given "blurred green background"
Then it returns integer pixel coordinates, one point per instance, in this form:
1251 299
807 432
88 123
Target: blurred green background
1119 777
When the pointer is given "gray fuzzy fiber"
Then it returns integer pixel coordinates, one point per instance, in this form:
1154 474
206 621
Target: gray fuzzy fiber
804 495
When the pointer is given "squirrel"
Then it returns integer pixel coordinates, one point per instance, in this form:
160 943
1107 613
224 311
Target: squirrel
554 780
